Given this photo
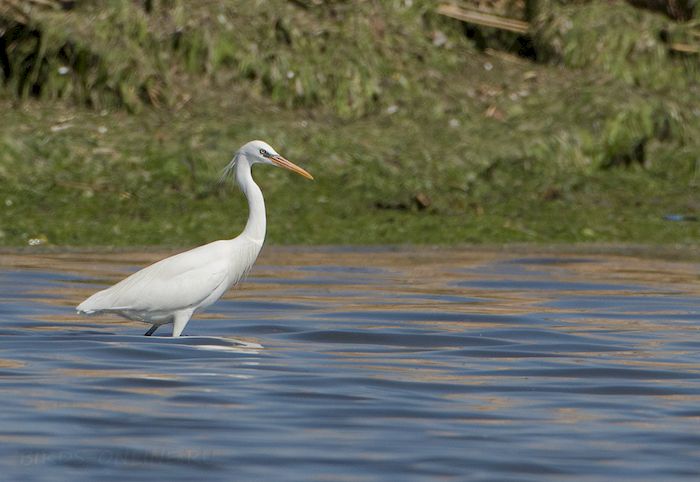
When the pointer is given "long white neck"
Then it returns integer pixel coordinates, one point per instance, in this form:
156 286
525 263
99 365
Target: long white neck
256 225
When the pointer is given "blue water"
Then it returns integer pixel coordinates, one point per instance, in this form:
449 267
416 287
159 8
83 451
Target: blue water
370 365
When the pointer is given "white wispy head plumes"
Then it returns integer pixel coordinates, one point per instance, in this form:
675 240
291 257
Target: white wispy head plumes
228 171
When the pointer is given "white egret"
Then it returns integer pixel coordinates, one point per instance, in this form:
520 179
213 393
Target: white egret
173 289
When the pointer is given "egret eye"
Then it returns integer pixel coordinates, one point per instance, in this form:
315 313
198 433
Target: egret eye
264 153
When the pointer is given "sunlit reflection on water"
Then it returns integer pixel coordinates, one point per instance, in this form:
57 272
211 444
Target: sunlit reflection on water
360 365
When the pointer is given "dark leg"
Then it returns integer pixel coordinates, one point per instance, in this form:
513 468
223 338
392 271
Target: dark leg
151 330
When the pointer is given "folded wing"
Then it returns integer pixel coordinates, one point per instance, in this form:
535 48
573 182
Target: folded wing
183 281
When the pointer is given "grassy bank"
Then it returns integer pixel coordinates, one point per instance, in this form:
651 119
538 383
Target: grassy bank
413 133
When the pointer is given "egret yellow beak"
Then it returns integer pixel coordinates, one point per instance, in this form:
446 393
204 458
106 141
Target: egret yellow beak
282 162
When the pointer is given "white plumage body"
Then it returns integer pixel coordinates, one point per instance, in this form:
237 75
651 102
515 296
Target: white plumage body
188 281
173 289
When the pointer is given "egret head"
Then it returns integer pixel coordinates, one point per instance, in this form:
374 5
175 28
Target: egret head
262 152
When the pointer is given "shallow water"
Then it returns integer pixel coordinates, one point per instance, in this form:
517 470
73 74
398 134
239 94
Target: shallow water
360 365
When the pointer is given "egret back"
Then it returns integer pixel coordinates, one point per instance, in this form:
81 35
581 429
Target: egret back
189 280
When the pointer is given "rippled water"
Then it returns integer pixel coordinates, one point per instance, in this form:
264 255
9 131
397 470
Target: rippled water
360 365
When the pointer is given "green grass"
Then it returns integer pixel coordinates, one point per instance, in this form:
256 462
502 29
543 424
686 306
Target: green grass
152 179
410 142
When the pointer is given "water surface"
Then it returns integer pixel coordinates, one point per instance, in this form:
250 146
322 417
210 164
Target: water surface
341 364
